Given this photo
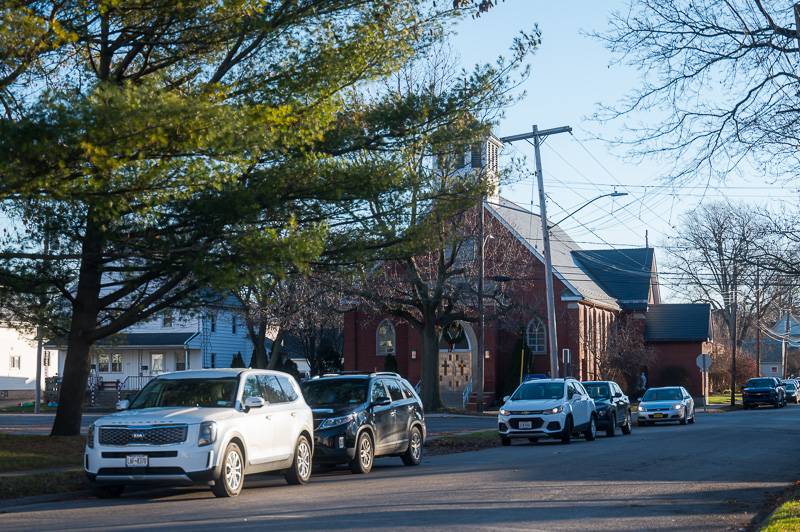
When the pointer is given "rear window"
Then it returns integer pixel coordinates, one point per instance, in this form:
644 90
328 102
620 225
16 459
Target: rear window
394 389
598 390
335 392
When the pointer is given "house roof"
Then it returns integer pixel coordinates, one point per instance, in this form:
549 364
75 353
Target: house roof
135 340
527 227
624 274
682 322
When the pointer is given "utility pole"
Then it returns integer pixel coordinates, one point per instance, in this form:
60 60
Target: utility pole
734 303
481 323
758 319
40 332
785 340
538 137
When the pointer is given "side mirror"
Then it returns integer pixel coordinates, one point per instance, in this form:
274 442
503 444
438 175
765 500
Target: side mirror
123 404
382 402
254 402
618 395
506 398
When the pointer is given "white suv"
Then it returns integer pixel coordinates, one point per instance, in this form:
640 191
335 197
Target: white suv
547 408
207 426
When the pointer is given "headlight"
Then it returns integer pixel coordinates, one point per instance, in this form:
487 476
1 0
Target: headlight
504 412
208 433
90 437
555 410
335 421
677 407
642 408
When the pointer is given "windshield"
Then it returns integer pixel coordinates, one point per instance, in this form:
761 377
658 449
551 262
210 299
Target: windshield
790 386
335 392
539 390
664 394
211 393
598 390
760 383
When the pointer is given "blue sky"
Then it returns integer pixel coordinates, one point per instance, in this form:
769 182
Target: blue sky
571 75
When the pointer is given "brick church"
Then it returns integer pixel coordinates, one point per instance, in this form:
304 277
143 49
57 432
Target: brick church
593 288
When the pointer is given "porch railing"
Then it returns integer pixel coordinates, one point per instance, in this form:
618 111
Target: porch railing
467 393
133 383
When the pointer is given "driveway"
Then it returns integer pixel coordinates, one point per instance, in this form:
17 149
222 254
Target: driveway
714 475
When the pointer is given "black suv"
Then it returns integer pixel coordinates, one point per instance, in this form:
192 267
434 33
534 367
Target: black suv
358 417
763 391
613 406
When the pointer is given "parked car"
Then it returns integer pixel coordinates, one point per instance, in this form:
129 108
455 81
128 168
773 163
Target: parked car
547 408
210 426
670 403
791 391
763 391
358 417
613 407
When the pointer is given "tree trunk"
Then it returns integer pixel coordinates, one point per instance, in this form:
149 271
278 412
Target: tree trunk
430 364
259 339
84 320
276 355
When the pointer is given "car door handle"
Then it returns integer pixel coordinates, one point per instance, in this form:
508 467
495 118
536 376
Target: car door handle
294 414
268 416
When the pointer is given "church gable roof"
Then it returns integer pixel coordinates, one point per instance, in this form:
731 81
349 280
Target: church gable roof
527 227
625 274
681 322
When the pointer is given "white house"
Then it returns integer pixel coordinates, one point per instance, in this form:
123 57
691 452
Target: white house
207 338
18 364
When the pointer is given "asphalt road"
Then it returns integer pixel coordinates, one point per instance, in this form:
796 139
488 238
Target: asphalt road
714 475
41 424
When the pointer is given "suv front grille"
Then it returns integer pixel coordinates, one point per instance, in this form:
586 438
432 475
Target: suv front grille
536 422
154 435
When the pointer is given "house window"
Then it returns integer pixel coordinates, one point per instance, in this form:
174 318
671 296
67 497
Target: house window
16 362
180 363
103 364
46 359
213 360
213 320
166 319
385 339
535 336
233 325
116 363
156 363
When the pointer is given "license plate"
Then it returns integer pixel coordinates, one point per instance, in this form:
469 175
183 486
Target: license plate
525 425
658 415
137 460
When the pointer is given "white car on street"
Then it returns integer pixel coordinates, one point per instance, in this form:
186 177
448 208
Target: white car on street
205 426
547 408
670 403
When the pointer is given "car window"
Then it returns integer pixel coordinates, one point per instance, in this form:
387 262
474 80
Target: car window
335 392
272 391
570 390
580 389
251 388
378 392
409 391
395 391
599 390
288 390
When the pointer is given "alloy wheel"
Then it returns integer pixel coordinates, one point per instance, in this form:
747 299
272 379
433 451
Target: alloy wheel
416 444
303 460
233 470
365 453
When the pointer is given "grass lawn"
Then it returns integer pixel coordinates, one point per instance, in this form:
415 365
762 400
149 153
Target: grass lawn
42 484
723 399
786 517
460 443
20 453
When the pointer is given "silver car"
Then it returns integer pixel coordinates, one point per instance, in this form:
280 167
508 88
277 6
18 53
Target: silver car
671 403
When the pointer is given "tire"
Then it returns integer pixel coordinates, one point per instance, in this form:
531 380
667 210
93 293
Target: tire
230 480
685 418
611 431
566 434
533 440
691 419
505 442
591 433
300 472
361 464
626 428
413 455
102 491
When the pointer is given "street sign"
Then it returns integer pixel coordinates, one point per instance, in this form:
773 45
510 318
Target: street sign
704 362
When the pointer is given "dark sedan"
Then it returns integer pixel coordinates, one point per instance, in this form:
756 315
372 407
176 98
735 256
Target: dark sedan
613 406
790 387
763 391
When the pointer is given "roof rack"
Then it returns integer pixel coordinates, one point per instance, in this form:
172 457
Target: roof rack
365 373
384 374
